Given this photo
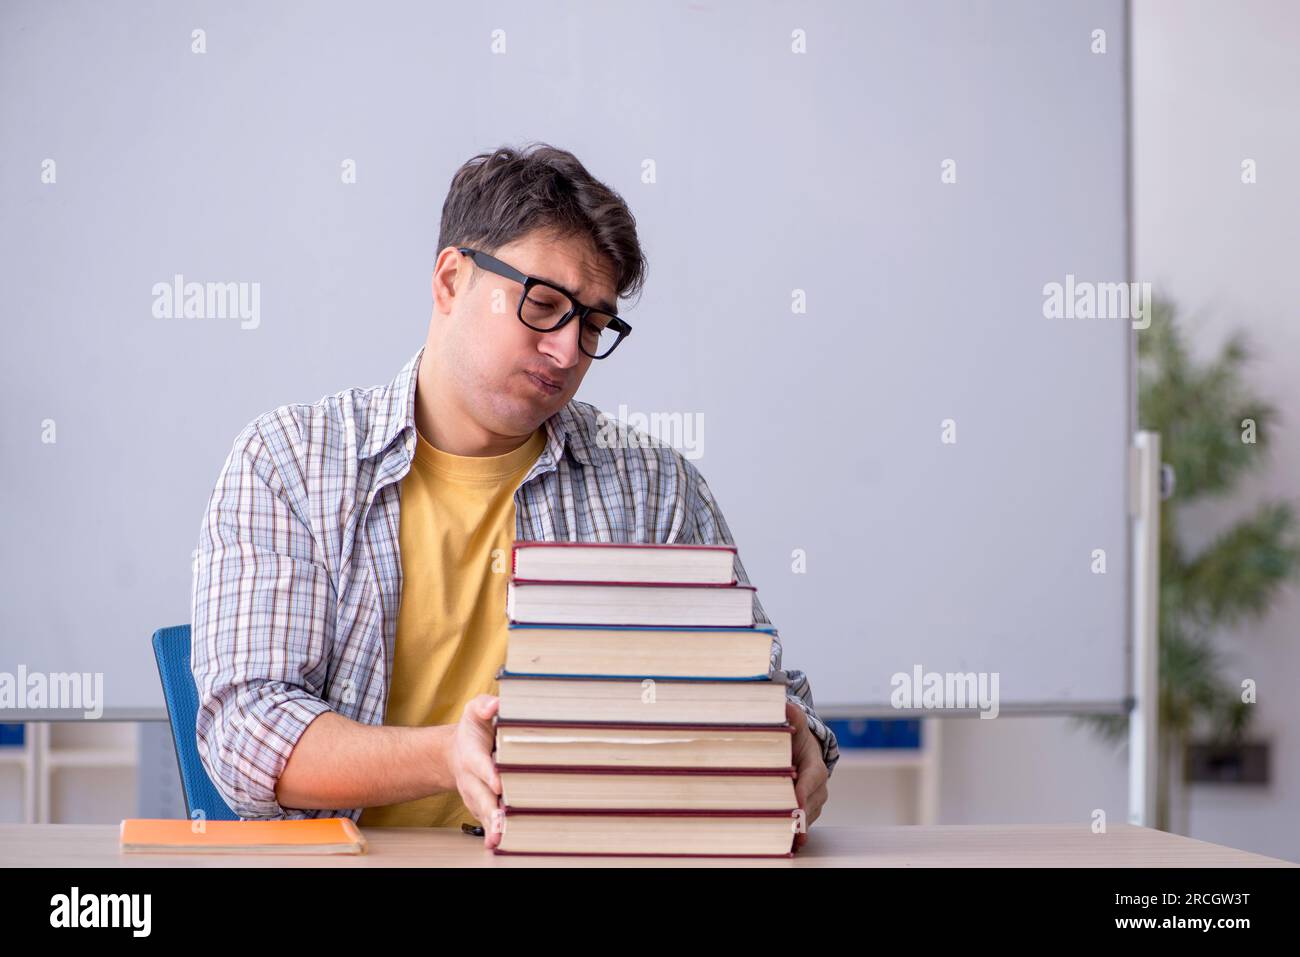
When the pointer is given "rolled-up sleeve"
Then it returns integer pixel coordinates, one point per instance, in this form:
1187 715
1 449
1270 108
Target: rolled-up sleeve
709 527
262 628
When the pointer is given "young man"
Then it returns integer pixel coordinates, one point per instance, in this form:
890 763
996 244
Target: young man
350 580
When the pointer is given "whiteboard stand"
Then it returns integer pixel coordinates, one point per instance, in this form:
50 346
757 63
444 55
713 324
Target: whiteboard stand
1144 712
928 779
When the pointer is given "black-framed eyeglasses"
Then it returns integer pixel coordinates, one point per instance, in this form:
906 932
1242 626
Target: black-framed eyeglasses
546 307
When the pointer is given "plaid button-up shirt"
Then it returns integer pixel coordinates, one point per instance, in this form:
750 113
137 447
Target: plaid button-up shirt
298 579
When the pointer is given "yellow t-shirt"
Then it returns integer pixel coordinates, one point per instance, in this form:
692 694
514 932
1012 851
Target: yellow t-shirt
456 510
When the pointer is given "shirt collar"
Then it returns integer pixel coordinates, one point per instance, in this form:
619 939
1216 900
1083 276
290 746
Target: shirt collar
395 417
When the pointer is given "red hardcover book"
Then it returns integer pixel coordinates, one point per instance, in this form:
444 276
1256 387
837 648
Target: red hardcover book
644 745
637 789
597 822
642 562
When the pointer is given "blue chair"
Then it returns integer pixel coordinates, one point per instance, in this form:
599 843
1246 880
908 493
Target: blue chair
171 646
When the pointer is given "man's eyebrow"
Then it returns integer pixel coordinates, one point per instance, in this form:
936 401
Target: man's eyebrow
604 305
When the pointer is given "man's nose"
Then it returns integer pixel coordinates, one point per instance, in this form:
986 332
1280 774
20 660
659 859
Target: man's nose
562 344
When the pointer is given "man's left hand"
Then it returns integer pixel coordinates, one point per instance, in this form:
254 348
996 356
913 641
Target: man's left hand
810 783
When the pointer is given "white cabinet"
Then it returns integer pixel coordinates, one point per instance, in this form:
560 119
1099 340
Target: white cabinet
74 769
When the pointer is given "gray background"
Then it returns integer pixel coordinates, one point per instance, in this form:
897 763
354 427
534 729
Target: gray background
774 172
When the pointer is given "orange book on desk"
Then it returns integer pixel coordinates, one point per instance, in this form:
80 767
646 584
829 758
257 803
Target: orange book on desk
327 835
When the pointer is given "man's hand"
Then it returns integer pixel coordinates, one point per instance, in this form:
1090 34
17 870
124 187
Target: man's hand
810 784
470 760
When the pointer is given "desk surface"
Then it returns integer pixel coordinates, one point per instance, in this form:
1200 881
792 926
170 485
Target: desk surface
1057 845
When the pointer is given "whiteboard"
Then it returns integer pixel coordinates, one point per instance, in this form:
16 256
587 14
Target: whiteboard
779 178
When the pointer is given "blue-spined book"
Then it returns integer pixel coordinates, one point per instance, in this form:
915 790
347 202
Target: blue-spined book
641 651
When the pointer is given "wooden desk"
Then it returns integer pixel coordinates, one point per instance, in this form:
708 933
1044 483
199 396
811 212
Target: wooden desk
1059 845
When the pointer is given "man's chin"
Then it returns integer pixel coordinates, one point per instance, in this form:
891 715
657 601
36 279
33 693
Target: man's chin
526 414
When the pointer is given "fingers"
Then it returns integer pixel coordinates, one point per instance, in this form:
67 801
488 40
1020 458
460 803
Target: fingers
486 706
476 759
814 804
494 828
811 789
477 778
811 797
796 716
478 797
811 774
481 802
480 739
811 805
494 822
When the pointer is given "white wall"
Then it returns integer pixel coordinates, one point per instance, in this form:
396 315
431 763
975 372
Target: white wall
1213 84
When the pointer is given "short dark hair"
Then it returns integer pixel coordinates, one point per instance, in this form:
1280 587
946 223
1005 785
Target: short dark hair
497 197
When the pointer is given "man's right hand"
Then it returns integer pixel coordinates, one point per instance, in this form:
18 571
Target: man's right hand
471 762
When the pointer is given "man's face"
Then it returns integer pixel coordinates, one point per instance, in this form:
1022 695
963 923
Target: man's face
494 359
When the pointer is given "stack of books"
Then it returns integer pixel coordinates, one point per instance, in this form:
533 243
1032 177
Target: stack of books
639 714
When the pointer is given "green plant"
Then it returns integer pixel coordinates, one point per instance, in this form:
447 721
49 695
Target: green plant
1213 429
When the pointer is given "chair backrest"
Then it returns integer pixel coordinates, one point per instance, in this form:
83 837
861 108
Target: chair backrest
171 646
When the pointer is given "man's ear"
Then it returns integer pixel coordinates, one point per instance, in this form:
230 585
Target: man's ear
452 270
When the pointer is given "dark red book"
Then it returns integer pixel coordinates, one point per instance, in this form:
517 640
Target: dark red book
668 563
526 787
589 832
625 744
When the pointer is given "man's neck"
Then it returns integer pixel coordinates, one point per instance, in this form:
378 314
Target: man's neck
446 426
